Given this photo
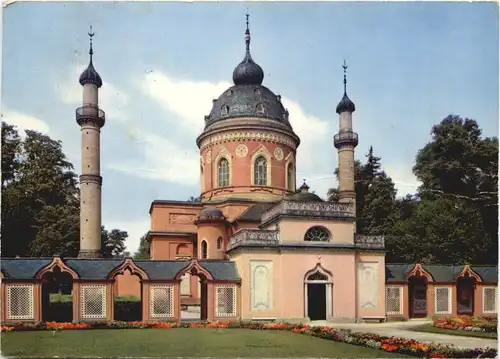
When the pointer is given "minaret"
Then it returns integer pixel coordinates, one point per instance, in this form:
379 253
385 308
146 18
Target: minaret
346 141
91 119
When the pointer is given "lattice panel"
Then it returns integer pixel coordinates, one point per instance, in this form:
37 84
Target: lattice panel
161 301
393 300
225 300
489 300
93 301
20 302
442 300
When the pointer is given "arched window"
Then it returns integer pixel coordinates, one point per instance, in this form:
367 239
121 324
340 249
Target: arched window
223 173
204 249
260 171
317 276
260 109
219 243
289 179
317 234
224 110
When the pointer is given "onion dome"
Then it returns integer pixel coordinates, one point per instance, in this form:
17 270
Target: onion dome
305 196
248 72
90 75
345 105
211 213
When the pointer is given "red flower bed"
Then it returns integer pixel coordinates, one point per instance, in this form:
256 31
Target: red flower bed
388 344
467 323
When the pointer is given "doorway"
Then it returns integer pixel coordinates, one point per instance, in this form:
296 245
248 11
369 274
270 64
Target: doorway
465 295
316 301
417 287
57 296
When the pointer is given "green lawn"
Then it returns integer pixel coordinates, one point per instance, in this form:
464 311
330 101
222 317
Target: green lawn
428 328
179 342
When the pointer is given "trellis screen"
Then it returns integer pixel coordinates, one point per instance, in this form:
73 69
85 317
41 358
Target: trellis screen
225 300
162 301
442 300
20 302
489 300
394 300
93 301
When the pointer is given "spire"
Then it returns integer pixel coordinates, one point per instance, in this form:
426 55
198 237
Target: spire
344 66
248 72
247 35
91 51
90 75
345 105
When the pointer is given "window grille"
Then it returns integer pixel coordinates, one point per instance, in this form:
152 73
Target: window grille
317 276
223 173
20 302
489 300
394 300
93 301
162 301
225 300
317 234
442 300
260 169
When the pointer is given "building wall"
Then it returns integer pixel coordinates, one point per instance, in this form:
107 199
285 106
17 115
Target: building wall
174 217
278 289
241 156
294 230
370 291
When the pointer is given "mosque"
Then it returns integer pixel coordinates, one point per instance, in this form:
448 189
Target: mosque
254 247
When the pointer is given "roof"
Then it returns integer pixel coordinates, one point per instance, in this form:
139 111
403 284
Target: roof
99 269
254 213
440 273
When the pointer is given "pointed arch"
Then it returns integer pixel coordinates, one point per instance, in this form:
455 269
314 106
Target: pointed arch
128 264
318 272
56 263
223 156
468 272
419 271
194 268
260 153
290 181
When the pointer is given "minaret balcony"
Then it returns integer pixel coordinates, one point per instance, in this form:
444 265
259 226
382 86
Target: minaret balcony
345 138
90 114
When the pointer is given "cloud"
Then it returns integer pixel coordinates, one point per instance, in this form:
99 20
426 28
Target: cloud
24 122
403 178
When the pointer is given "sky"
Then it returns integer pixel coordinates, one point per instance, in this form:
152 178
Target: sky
410 65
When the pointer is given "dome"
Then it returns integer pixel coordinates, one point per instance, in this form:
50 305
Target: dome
211 213
305 196
248 101
90 76
345 105
248 72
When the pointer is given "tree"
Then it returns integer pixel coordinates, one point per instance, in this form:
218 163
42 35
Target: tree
379 205
462 167
38 177
143 251
113 243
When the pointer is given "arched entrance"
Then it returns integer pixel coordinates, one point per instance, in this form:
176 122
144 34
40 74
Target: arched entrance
57 299
318 294
466 283
128 308
57 291
194 269
417 287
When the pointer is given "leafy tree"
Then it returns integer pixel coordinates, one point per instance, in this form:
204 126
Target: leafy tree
143 252
38 177
462 167
113 243
379 205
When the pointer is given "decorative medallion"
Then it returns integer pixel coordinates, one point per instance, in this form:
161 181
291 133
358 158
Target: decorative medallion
278 153
241 150
209 156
